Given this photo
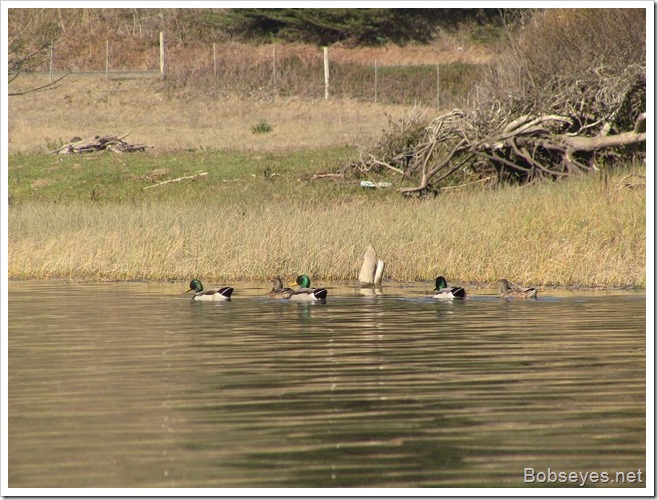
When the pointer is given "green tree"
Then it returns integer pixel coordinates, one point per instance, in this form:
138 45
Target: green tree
352 26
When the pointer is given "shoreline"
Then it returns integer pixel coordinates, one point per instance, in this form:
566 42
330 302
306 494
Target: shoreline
345 284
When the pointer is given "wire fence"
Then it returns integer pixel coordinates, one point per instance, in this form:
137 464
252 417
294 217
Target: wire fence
228 70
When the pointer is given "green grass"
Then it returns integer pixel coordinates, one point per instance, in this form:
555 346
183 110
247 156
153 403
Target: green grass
110 177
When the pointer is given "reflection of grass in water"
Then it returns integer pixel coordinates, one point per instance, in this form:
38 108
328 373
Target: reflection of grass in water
576 232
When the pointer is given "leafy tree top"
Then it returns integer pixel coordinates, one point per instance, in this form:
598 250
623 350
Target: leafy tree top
351 26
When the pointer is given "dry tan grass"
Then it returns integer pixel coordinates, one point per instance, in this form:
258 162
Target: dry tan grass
88 105
84 107
578 232
446 49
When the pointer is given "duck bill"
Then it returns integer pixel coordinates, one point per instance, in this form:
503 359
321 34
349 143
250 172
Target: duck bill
188 290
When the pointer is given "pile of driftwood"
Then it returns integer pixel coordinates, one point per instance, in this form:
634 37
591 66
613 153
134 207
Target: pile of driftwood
97 143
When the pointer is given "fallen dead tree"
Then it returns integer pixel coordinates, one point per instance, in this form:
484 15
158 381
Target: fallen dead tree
524 147
539 113
97 143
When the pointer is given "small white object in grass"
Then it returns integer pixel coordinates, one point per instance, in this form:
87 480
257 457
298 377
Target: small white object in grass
371 184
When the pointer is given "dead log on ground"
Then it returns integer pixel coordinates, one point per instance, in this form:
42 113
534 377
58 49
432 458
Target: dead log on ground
97 143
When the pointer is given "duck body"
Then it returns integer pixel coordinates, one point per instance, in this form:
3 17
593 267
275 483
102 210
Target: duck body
507 291
309 294
443 291
214 294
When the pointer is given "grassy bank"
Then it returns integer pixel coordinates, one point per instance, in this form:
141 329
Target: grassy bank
212 177
587 231
257 210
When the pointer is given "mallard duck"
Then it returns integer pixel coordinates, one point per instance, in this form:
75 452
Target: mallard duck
278 292
516 292
223 293
303 291
443 291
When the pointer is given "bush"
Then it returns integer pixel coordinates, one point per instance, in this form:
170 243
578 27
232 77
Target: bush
262 127
566 55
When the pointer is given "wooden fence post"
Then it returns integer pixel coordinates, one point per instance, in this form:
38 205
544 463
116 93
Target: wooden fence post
438 82
326 72
375 80
274 70
214 59
162 55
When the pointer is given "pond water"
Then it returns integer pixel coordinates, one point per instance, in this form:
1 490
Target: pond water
134 385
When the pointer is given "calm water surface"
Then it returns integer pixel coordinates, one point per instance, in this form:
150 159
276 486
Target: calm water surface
134 385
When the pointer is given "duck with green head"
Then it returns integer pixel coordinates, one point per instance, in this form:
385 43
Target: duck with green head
443 291
215 294
507 291
303 290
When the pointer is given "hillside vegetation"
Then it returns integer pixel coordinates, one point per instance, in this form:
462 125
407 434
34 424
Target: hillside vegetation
222 53
79 35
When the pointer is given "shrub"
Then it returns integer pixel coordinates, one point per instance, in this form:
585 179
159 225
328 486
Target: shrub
262 127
